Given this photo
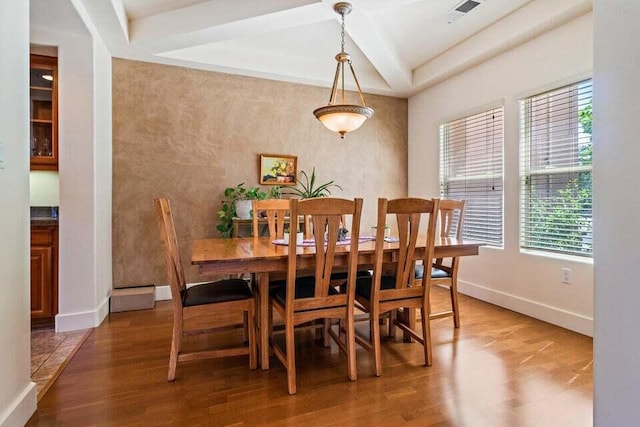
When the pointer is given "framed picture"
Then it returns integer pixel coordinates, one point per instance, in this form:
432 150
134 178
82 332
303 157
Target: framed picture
278 169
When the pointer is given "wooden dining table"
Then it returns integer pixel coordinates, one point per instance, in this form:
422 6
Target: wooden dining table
261 256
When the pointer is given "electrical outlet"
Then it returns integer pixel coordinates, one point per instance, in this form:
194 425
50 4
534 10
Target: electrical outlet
566 276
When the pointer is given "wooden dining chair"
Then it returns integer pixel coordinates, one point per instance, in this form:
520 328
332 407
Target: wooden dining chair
391 286
306 299
444 272
276 210
221 296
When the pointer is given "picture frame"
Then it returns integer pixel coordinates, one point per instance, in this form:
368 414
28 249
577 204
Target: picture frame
278 169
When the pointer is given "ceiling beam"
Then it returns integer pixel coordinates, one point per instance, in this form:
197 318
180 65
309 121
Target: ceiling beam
119 9
219 20
379 51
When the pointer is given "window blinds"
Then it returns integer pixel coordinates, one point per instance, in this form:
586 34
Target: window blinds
471 165
555 168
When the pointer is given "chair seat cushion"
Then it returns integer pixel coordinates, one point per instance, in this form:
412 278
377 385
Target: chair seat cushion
363 285
305 288
436 273
342 275
213 292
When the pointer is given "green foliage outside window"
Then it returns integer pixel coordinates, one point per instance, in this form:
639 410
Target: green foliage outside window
564 222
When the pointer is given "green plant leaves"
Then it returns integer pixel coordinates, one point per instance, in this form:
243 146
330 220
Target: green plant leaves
307 188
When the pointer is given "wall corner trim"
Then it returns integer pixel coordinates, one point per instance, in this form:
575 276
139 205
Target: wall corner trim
22 408
83 319
163 293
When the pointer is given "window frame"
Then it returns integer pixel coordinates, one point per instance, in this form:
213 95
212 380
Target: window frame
445 163
526 171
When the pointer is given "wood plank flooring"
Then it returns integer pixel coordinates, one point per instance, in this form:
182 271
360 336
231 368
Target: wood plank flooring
499 369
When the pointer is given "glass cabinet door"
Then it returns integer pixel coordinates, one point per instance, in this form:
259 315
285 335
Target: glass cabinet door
44 121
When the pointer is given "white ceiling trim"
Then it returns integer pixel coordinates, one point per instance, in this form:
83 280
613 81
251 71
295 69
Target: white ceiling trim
219 20
181 37
515 29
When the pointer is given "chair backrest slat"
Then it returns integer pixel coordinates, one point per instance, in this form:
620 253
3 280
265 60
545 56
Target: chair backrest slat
277 210
175 271
451 212
408 213
326 214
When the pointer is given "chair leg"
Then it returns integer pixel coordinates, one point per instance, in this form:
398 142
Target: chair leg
264 319
426 335
453 289
325 332
352 371
245 326
253 345
374 323
393 315
320 333
176 343
291 357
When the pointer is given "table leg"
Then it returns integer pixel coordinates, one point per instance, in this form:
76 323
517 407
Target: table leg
263 291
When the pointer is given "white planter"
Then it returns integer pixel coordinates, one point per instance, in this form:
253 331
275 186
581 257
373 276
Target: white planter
243 209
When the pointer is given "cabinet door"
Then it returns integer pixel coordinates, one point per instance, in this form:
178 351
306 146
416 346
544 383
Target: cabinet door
41 274
44 113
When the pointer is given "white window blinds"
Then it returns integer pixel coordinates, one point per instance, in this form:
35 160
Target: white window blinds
555 168
471 164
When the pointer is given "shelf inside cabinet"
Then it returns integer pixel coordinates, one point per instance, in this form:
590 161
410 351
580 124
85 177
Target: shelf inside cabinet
43 119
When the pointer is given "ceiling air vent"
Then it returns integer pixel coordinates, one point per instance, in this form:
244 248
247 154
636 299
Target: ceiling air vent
461 9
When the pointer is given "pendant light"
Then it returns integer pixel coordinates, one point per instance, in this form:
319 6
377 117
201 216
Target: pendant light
341 117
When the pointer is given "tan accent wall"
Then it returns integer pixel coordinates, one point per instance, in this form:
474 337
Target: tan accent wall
188 134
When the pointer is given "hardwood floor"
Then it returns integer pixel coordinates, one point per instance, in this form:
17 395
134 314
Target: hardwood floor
499 369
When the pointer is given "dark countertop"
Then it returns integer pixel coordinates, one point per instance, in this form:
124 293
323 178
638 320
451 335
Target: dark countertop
44 222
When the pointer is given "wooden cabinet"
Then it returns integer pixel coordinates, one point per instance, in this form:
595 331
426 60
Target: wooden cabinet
44 274
43 90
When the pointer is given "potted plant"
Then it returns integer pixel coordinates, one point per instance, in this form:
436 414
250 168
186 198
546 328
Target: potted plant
308 188
275 192
237 204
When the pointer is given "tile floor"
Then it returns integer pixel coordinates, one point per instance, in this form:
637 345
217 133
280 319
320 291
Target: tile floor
50 353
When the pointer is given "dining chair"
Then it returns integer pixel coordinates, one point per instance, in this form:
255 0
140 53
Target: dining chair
306 299
444 272
391 288
214 297
276 211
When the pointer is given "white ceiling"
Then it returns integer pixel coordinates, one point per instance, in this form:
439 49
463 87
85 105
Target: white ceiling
398 47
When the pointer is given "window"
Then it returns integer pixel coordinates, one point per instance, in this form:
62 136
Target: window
555 168
471 169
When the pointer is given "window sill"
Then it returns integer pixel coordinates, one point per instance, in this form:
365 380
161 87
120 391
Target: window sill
557 256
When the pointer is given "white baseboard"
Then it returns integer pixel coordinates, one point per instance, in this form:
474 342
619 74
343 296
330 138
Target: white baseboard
547 313
83 319
21 409
163 293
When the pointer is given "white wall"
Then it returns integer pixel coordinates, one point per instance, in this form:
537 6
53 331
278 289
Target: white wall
103 171
77 268
84 72
617 203
17 392
523 282
44 187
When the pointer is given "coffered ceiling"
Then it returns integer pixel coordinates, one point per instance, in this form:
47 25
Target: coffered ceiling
398 47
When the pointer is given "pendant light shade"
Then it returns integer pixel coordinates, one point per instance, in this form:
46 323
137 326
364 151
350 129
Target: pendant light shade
341 117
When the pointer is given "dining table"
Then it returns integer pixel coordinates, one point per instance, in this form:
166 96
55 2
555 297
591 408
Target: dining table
262 257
